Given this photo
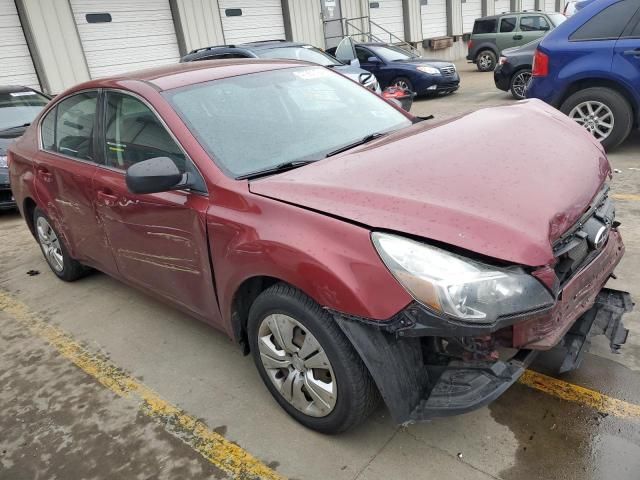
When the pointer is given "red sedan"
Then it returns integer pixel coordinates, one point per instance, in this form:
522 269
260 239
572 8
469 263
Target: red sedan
353 249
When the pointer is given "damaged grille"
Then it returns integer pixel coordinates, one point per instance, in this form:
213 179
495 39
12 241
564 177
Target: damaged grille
581 243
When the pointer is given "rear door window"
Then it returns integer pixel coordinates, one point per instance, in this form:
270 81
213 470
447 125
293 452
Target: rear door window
534 23
508 24
608 24
485 26
68 128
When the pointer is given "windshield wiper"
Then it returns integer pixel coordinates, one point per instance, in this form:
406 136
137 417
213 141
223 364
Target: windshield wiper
357 143
17 126
282 167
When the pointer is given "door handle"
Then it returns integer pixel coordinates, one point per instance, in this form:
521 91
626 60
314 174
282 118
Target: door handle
518 37
635 53
45 174
107 199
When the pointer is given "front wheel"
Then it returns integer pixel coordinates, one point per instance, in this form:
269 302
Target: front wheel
603 112
307 363
403 83
519 83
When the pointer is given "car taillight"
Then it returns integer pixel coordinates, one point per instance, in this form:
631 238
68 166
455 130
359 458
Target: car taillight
540 64
470 44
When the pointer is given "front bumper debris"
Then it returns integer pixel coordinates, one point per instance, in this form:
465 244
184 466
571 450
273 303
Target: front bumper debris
418 383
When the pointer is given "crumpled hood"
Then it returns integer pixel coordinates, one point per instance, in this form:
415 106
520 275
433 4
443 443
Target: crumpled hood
503 182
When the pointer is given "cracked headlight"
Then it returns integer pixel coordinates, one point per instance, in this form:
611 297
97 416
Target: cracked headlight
429 70
459 287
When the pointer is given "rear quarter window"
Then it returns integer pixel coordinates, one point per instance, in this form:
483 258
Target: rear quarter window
485 26
608 24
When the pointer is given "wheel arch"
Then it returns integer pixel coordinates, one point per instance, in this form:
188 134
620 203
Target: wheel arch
585 83
486 46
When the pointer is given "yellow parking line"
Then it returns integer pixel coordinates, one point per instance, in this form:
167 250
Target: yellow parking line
577 394
223 454
626 196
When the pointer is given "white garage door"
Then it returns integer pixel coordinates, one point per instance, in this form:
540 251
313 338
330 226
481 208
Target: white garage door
549 5
16 66
387 14
434 18
124 35
529 5
503 6
251 20
471 9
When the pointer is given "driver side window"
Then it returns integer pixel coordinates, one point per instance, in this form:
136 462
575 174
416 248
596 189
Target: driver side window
363 54
134 134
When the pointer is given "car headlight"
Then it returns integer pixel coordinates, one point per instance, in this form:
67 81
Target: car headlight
3 161
429 70
459 287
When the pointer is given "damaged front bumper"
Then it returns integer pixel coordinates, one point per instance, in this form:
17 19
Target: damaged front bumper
426 366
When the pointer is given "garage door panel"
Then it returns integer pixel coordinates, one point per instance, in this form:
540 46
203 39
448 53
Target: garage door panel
549 6
529 5
16 65
389 15
260 20
471 10
434 19
141 34
503 6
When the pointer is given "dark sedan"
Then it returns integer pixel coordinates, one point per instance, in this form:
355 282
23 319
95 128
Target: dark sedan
394 66
18 107
513 73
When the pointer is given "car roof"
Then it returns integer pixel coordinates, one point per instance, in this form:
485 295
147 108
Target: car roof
184 74
258 45
521 12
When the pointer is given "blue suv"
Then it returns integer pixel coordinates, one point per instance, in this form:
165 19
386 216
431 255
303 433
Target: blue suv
589 68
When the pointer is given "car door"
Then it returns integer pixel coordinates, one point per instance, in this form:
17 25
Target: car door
508 35
372 63
626 56
159 240
64 168
532 27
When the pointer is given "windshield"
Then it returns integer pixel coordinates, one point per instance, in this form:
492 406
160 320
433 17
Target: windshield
390 53
557 18
19 108
252 123
306 53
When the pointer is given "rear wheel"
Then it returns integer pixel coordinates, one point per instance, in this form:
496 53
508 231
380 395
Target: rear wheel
486 61
55 251
307 363
602 112
519 83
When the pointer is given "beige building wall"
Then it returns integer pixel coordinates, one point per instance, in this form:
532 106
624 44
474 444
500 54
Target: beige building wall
198 23
54 43
303 21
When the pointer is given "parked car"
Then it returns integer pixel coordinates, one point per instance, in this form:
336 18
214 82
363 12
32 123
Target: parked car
343 250
18 107
513 72
491 35
281 49
589 68
397 67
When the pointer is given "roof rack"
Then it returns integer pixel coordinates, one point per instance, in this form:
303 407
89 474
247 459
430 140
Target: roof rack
266 41
202 49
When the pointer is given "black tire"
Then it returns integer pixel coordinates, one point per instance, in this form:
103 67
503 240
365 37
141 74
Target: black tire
400 81
615 102
514 84
486 61
71 269
357 395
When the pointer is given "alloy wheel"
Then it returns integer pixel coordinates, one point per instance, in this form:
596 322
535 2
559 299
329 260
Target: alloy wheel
297 365
50 244
485 61
596 117
520 84
402 84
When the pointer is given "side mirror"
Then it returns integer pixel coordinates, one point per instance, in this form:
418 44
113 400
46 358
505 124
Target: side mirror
373 60
155 175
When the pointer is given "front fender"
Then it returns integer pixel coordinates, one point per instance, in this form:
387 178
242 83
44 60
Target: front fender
332 261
